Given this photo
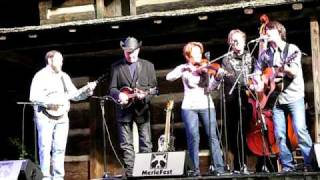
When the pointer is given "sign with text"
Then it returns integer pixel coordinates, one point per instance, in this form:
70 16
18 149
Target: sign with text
159 164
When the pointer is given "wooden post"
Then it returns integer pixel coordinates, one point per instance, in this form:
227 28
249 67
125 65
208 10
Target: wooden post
133 8
315 50
128 7
99 9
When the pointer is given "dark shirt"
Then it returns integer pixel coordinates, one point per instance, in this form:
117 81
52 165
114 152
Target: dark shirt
235 65
132 68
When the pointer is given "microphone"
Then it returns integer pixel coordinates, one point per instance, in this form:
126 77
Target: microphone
261 38
207 55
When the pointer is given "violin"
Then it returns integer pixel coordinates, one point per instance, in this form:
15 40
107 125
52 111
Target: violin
210 68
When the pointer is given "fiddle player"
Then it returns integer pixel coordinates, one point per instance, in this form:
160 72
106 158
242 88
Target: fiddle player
285 61
239 63
196 107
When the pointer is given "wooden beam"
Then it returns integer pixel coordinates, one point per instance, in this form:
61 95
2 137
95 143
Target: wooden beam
315 50
169 13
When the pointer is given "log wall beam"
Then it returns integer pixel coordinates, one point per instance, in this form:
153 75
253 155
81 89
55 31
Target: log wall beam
315 50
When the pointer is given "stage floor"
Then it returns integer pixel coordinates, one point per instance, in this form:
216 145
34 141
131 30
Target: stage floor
271 176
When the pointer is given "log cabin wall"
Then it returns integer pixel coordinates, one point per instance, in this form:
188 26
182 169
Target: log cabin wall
58 11
89 48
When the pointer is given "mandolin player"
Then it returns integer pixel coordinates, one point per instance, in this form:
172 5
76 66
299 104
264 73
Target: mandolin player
131 78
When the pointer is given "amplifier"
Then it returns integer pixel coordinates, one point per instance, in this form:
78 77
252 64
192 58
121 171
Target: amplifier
19 169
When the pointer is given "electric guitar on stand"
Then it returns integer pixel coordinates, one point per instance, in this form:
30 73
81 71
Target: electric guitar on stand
166 141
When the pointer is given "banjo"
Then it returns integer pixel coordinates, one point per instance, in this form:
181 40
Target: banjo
61 101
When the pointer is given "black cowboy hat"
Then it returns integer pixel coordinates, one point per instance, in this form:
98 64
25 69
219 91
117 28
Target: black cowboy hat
130 44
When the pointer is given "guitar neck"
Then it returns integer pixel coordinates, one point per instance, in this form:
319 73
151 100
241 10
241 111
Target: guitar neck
167 128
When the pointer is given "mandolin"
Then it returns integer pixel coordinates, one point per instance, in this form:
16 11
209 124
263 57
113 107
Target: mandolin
132 95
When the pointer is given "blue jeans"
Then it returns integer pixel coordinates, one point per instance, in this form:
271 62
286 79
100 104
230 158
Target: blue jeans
191 119
297 112
52 141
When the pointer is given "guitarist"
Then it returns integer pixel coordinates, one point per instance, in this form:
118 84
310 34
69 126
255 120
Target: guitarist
133 72
285 61
51 90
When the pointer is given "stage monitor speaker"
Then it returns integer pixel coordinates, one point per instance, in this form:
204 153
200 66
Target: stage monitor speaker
315 155
161 164
19 169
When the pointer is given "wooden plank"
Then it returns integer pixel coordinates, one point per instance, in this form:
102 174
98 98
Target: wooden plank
69 17
70 3
315 49
76 158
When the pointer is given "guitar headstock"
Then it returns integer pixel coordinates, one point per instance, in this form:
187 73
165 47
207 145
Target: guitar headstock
291 57
169 105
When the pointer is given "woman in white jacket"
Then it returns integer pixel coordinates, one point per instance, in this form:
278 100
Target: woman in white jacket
198 105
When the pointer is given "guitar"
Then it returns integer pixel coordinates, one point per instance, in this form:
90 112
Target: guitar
166 141
132 95
62 105
274 82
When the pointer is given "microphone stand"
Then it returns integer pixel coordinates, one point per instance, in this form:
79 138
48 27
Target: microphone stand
262 120
207 55
102 100
22 132
224 118
244 168
211 167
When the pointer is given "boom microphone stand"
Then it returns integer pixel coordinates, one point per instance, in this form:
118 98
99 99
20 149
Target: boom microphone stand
207 55
237 82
